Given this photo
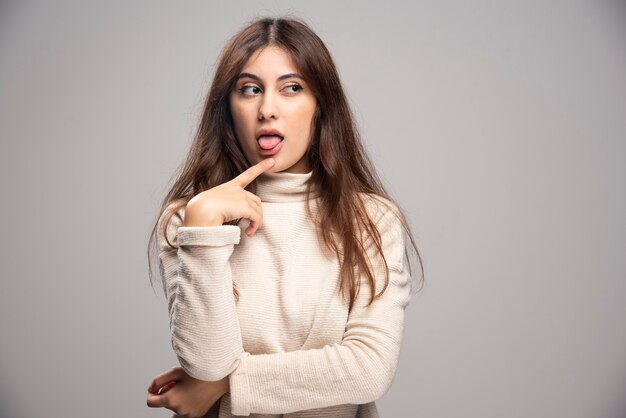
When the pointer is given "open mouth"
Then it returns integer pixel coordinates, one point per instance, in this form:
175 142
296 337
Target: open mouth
269 142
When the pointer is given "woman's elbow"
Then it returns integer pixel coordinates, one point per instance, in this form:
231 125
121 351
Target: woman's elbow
381 384
206 365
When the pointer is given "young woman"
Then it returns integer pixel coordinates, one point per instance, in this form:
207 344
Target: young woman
284 261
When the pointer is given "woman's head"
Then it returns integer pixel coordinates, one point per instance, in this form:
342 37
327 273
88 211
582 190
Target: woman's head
272 108
278 47
276 74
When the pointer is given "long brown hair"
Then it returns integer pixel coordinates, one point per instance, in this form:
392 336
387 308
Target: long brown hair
341 169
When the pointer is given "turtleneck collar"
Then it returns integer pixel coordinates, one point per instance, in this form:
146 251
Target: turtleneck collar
283 187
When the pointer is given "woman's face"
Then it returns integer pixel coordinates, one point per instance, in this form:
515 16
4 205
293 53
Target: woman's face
272 110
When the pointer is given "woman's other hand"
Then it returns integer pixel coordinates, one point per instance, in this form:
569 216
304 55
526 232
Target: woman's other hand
183 394
229 201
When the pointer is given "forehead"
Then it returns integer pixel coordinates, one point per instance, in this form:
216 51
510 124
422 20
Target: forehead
269 61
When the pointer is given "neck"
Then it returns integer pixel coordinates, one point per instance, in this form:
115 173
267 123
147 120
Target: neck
283 186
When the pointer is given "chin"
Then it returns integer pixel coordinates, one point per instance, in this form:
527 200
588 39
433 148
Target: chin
278 167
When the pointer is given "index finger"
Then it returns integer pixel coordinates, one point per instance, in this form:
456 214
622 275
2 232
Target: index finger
253 172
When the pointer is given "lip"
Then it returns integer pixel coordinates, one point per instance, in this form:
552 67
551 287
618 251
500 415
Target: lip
267 131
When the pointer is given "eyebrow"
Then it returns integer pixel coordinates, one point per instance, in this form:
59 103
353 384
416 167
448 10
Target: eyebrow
257 78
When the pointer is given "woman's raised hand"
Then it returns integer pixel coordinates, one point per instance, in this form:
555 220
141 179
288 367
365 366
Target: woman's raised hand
229 201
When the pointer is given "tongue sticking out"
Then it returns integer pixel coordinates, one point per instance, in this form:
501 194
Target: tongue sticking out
269 141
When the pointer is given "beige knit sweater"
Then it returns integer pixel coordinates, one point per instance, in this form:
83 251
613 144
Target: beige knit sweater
289 345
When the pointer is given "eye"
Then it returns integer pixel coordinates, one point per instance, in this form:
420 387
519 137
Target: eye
249 90
293 88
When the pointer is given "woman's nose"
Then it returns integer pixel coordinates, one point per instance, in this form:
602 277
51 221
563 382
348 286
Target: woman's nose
268 108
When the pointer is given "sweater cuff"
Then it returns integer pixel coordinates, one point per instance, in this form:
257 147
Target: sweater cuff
214 236
240 388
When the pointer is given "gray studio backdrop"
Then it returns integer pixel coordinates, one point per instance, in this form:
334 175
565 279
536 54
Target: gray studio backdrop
499 126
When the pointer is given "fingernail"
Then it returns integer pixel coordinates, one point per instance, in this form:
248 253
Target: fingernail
166 387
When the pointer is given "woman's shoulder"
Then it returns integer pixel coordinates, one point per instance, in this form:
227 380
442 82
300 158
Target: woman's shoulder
380 207
389 221
173 216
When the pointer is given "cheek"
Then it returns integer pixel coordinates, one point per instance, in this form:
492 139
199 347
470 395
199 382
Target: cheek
241 119
305 119
301 118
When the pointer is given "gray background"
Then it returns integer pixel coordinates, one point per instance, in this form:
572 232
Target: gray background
499 127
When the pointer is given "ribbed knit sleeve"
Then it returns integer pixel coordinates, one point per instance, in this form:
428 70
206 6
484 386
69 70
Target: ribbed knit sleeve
198 285
358 370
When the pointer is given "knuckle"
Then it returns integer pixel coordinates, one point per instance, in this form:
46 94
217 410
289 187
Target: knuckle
174 406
